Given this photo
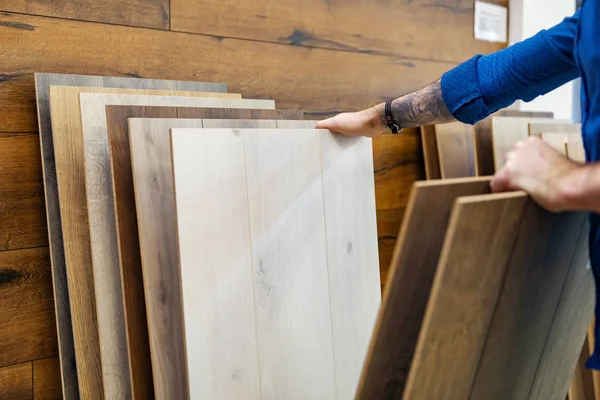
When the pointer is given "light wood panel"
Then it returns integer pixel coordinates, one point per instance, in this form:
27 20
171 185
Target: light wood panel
562 347
16 382
28 328
482 133
537 129
85 281
146 13
455 150
558 141
59 274
431 156
153 185
348 26
472 265
102 219
295 77
575 149
46 379
536 274
507 131
408 287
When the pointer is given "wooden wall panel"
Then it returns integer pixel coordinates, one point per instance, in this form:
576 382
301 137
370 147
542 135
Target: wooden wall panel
46 379
16 382
395 28
28 328
22 217
146 13
294 77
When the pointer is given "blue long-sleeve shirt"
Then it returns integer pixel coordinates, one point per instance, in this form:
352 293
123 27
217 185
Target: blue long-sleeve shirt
533 67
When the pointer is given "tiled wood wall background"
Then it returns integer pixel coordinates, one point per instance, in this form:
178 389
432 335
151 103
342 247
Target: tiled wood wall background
324 56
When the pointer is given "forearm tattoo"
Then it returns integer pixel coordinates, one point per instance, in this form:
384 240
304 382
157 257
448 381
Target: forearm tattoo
423 107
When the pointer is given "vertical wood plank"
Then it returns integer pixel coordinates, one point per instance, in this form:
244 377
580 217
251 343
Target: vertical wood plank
575 149
536 273
46 379
539 128
350 224
455 150
289 255
16 382
476 251
431 156
558 141
408 287
215 261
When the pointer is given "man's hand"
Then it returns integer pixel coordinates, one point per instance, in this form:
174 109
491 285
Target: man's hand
535 167
362 123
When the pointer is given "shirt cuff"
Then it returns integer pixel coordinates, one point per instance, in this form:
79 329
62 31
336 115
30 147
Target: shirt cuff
461 92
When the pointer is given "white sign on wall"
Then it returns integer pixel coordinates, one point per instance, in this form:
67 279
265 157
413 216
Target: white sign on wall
490 22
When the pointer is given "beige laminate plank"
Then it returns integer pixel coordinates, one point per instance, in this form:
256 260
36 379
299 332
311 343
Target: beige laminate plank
102 368
507 131
575 149
558 141
102 217
456 150
539 128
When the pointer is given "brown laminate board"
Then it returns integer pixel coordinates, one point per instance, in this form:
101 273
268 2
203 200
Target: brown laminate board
482 134
126 223
102 220
407 290
46 379
571 320
455 150
59 274
16 382
153 180
92 321
430 152
536 273
471 269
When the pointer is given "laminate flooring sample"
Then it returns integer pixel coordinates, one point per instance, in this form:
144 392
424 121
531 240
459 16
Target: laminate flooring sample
84 282
471 269
571 319
575 149
430 152
298 242
558 141
507 131
59 273
455 150
413 268
537 129
103 228
482 134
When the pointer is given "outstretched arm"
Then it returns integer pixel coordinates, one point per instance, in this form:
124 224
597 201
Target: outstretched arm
478 87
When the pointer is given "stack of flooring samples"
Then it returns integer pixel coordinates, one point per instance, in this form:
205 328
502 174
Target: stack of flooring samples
203 245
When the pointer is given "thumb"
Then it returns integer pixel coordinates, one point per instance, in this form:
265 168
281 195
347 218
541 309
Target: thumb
500 182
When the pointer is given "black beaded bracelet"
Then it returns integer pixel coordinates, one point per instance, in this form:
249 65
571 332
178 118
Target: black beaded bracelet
389 119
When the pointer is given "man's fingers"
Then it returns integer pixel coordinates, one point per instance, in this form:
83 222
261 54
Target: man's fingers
500 182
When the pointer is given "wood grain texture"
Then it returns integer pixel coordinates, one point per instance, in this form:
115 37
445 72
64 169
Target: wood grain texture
59 274
455 150
16 382
562 347
154 188
46 379
507 131
22 219
408 287
351 231
28 330
472 265
582 384
346 26
289 255
431 156
575 149
87 276
122 285
483 137
536 273
558 141
537 129
144 13
259 70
